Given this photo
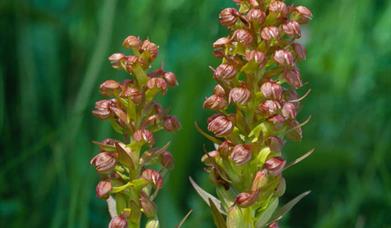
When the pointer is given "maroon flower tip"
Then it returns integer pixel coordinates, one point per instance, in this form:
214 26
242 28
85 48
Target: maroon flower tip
171 123
215 102
241 154
269 107
118 222
221 42
132 42
278 7
150 48
272 90
256 16
228 16
239 95
243 36
115 59
144 136
289 110
304 14
269 33
275 165
104 162
275 143
220 125
170 78
158 83
255 56
109 87
103 188
166 159
219 91
292 28
154 177
292 76
299 50
246 199
225 71
284 58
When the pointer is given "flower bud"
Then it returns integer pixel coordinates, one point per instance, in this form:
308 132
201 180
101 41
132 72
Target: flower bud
246 199
269 33
225 148
102 109
256 16
274 225
294 133
171 123
134 94
144 136
215 102
154 177
166 160
225 71
220 125
115 59
158 83
239 95
130 62
279 8
275 165
109 87
170 78
104 162
150 48
243 36
292 76
118 222
149 207
289 110
284 58
277 120
275 143
269 107
221 42
120 114
241 154
271 90
103 188
228 16
292 28
132 42
304 14
299 50
208 157
219 90
255 56
260 180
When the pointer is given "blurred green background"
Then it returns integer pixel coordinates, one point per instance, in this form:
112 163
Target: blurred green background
53 58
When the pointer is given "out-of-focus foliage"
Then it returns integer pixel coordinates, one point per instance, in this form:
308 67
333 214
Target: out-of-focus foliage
53 56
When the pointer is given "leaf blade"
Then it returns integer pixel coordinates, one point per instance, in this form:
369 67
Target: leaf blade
206 196
287 207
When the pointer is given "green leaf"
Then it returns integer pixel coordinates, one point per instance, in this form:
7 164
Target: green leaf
217 217
206 135
287 207
184 219
301 158
237 218
206 196
267 214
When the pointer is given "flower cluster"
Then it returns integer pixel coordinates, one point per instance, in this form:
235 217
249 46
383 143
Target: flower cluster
256 105
132 170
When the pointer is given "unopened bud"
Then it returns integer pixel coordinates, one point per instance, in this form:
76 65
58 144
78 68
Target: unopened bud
154 177
225 71
279 8
269 33
269 107
221 42
304 14
239 95
166 159
144 136
241 154
255 56
158 83
149 207
274 225
134 94
220 125
228 16
225 148
292 28
215 102
115 59
246 199
275 165
103 188
289 110
256 16
243 36
104 162
275 143
109 87
271 90
170 78
150 48
118 222
102 109
130 62
260 180
171 123
219 90
120 114
208 157
292 76
132 42
299 50
284 58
